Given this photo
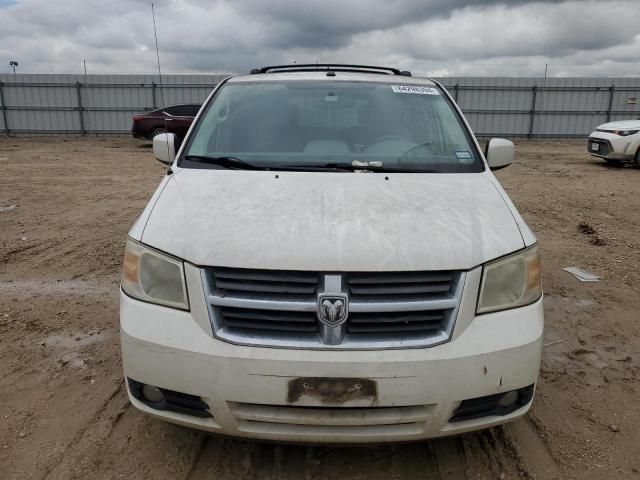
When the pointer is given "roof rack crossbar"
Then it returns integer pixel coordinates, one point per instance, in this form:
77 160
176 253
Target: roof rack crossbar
329 67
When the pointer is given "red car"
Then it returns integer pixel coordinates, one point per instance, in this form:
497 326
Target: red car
174 119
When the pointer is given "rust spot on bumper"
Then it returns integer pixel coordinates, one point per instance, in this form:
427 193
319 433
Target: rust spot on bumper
333 391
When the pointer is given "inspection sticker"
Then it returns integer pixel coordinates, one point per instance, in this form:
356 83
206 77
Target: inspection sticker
464 157
415 89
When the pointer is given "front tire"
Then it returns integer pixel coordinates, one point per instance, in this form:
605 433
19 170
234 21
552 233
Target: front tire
636 159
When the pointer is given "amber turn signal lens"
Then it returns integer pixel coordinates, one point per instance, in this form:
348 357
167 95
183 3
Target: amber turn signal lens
534 272
131 267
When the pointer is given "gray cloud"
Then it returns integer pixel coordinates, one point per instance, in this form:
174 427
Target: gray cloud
332 23
431 37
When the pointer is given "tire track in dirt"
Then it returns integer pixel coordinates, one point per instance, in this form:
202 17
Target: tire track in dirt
74 459
196 458
225 458
62 287
473 456
448 452
532 450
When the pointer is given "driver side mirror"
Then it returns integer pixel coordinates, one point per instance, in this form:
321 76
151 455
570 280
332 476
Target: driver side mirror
499 153
164 147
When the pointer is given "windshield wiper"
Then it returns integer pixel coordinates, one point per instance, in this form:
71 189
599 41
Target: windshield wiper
233 163
371 167
349 167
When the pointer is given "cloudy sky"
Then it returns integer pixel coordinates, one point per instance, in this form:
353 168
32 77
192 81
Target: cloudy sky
429 37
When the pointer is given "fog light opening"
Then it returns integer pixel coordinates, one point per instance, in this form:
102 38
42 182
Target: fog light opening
499 404
509 399
171 400
152 394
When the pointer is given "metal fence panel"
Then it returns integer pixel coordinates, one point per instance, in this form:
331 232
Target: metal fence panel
555 107
562 107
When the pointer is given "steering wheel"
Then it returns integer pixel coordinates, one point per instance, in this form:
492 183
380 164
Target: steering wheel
389 144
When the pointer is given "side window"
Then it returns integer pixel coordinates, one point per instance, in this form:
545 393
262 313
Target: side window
183 110
174 110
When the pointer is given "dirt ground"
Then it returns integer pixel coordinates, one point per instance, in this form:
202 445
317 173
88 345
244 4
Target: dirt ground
63 407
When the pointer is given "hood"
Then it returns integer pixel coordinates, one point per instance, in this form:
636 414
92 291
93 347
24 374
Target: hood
621 125
327 221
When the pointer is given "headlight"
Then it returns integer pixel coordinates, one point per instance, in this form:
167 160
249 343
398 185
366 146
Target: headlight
625 133
154 277
510 282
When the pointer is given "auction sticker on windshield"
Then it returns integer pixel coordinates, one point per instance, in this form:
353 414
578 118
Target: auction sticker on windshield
464 156
415 89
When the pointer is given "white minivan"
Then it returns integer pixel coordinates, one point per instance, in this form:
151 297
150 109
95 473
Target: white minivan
330 259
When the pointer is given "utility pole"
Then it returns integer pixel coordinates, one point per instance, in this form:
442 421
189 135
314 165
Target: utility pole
84 64
13 64
543 92
155 34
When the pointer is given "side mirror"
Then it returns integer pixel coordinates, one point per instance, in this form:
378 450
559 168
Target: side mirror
499 153
164 147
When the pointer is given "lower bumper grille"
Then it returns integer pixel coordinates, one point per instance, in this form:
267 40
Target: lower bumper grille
323 431
281 308
277 419
604 147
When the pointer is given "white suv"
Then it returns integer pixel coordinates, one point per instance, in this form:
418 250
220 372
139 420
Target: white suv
330 259
616 142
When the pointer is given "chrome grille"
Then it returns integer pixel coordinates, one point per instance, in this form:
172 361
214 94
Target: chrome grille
265 283
279 308
397 323
400 286
274 320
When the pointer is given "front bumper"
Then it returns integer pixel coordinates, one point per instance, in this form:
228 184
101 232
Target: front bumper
613 147
247 388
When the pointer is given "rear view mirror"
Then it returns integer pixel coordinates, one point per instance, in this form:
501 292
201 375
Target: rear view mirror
164 147
499 153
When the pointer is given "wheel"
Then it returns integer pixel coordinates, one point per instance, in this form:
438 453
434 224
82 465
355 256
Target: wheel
636 159
158 131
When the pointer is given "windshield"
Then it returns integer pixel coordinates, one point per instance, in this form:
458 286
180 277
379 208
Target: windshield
332 124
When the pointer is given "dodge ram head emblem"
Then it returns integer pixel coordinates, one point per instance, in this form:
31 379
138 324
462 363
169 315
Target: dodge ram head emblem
333 310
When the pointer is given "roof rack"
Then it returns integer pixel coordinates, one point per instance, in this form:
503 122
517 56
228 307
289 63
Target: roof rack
329 67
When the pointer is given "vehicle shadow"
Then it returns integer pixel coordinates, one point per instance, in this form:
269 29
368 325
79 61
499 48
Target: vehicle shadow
612 164
454 458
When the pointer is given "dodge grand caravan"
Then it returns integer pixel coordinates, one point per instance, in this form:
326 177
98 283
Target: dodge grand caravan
331 259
